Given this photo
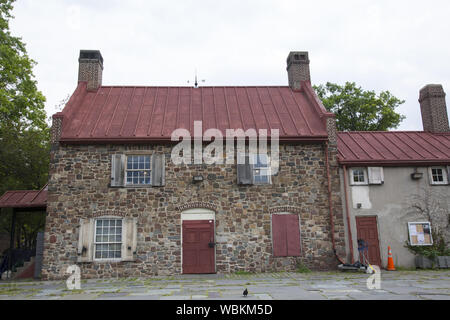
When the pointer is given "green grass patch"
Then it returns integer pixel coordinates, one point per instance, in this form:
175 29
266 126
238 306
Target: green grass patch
302 269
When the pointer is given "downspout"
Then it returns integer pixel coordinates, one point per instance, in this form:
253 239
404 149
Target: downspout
350 241
330 204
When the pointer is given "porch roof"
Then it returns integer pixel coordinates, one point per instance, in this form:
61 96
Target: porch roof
24 199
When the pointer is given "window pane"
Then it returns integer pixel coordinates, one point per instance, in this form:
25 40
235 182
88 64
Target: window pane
108 238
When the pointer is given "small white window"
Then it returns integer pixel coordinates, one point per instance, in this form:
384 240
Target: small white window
438 175
261 169
108 239
138 171
358 176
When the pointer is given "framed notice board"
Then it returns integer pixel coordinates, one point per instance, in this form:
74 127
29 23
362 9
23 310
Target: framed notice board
420 234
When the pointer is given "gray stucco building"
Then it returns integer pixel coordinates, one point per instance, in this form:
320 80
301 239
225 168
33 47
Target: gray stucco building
391 180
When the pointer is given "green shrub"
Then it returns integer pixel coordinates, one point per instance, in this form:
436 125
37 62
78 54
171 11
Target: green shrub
439 247
301 268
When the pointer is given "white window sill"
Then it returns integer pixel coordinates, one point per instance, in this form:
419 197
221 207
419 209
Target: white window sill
107 260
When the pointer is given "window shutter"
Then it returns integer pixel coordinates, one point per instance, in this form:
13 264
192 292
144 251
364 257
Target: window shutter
279 235
375 175
118 170
430 175
448 174
129 239
158 169
85 240
293 235
244 170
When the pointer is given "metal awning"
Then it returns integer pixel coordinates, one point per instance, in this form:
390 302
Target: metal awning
24 199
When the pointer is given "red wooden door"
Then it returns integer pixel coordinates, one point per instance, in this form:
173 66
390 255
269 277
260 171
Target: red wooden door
367 230
198 254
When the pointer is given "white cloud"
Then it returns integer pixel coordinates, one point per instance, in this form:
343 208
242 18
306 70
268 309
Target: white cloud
386 45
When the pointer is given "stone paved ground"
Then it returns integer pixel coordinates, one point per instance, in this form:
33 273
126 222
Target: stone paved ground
398 285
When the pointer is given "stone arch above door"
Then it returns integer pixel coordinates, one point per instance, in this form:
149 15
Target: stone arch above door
198 205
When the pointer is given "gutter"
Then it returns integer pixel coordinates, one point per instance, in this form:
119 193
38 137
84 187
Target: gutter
330 204
350 241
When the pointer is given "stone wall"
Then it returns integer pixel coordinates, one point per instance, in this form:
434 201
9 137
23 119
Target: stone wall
79 188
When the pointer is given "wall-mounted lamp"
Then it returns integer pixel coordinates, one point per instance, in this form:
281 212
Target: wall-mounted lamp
416 175
359 205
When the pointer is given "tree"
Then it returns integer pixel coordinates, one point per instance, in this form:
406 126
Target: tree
21 104
24 133
432 205
360 110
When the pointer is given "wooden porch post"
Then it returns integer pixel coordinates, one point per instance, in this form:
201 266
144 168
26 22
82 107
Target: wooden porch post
11 240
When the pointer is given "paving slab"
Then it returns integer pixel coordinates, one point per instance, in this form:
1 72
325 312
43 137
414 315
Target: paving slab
436 297
317 285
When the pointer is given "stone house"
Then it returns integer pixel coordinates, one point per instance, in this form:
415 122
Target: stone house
119 206
396 185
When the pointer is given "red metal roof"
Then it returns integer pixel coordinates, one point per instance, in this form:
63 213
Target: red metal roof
393 147
115 114
24 199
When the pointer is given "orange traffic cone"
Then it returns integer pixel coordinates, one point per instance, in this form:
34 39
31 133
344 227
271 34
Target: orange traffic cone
390 265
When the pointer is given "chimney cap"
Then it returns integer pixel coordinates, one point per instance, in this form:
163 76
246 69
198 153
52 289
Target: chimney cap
297 57
431 90
91 55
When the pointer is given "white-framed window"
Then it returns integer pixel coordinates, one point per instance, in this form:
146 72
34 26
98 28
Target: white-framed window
138 170
261 169
108 239
438 175
358 176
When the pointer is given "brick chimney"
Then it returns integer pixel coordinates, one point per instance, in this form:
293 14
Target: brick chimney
90 68
298 68
433 108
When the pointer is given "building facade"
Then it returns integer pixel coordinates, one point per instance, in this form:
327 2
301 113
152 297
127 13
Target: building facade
118 205
396 184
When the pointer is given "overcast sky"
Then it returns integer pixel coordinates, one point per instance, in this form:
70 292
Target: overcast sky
398 45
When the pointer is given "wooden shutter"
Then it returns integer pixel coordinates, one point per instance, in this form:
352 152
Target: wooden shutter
279 235
375 175
448 174
118 170
129 236
286 235
244 170
85 240
293 235
158 169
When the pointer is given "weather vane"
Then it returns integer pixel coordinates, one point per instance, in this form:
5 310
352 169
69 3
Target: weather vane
195 81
